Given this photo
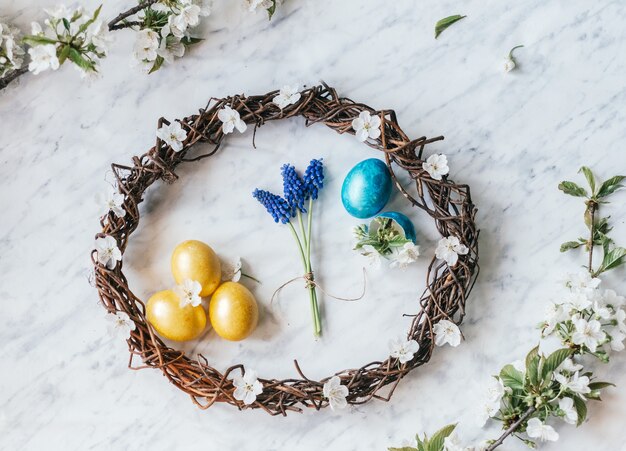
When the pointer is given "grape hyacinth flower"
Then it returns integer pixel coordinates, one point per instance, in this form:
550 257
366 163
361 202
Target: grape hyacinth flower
297 190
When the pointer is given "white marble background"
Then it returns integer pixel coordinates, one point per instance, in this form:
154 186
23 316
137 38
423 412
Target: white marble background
64 384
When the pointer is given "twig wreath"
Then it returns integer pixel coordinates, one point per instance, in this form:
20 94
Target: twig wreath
448 203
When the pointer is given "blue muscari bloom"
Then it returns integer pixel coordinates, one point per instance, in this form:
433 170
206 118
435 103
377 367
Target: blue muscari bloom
293 187
275 205
314 178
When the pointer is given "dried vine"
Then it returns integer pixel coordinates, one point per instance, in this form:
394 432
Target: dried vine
448 203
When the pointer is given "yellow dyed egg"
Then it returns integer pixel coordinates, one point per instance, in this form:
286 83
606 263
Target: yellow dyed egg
195 260
233 311
172 321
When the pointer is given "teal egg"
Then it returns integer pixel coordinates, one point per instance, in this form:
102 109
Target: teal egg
367 188
404 222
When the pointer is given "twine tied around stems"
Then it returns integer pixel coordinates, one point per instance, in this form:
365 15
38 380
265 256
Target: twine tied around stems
310 282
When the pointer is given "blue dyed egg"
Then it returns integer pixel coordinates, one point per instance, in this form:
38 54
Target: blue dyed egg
367 188
404 222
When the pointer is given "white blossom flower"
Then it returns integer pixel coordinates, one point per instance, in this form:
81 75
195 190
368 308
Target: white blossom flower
509 64
247 387
189 15
108 252
335 393
288 95
405 255
582 282
62 12
555 313
98 34
600 309
119 324
231 270
13 52
570 366
570 415
447 332
495 391
174 26
617 339
374 259
252 5
577 300
588 333
43 57
188 293
204 5
171 48
453 443
611 298
35 29
231 120
173 135
436 165
449 249
620 319
112 201
576 384
403 350
146 45
366 126
487 410
544 432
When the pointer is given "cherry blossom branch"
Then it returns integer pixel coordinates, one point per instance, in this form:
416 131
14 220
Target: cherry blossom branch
511 429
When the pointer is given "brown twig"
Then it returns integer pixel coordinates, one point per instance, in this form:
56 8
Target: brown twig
115 25
4 81
511 429
447 203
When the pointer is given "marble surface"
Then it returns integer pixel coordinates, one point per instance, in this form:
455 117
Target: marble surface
64 383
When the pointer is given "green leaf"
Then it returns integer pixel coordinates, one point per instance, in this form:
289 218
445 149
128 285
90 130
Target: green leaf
76 57
436 441
36 40
84 26
188 40
158 62
600 385
554 360
613 259
590 178
581 409
532 366
569 245
66 24
611 185
444 23
271 10
63 52
572 189
512 378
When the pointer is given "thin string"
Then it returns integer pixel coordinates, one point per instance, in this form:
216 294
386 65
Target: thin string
310 282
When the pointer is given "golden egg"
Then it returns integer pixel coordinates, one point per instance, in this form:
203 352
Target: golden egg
233 311
195 260
172 321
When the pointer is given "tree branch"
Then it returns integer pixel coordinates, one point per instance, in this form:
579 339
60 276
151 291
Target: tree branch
511 429
4 81
115 25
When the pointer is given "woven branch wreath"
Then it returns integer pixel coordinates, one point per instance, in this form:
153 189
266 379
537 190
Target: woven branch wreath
448 203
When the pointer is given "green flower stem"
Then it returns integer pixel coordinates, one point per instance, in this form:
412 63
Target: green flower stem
317 323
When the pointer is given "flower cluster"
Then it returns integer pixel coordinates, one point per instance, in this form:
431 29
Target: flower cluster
11 53
587 318
385 238
275 205
588 321
68 34
164 31
297 190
